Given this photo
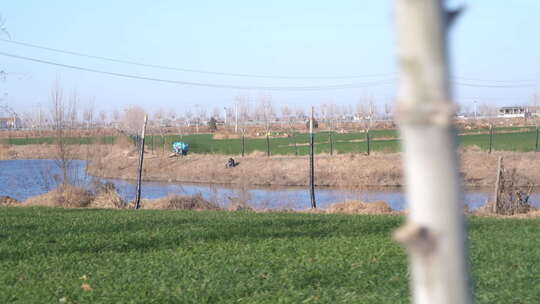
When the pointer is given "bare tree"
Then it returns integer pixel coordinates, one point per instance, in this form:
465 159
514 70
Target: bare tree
132 119
159 116
387 111
60 109
116 115
200 116
266 112
102 117
88 114
216 113
188 117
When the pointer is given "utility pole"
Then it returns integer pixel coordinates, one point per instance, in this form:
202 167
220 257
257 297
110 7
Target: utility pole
434 233
475 111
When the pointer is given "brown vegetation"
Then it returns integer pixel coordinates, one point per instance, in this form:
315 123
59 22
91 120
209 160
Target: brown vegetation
345 170
356 207
6 201
65 196
179 202
379 170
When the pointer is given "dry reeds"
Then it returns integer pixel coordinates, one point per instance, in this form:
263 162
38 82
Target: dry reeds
6 201
179 202
66 196
356 207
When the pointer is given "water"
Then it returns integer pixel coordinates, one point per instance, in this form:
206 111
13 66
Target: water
21 179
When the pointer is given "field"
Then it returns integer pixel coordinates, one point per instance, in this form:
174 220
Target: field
518 139
102 256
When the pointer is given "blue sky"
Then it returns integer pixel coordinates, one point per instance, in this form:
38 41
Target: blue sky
495 40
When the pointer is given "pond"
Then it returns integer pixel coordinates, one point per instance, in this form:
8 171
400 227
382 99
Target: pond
21 179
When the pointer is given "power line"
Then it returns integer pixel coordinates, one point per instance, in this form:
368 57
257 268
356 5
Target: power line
163 67
500 83
496 86
535 80
202 84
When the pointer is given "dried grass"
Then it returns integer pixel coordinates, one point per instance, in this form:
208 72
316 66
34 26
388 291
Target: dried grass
66 196
6 201
356 207
109 199
178 202
487 211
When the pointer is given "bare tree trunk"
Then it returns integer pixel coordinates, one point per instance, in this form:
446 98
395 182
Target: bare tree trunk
496 193
434 234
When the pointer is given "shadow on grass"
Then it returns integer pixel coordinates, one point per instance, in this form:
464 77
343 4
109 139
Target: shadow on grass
135 231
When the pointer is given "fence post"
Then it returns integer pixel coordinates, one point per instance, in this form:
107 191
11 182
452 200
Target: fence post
490 137
311 163
368 147
141 159
331 143
536 145
434 232
295 146
243 142
267 144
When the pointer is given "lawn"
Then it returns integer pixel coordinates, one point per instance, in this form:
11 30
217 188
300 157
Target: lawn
128 256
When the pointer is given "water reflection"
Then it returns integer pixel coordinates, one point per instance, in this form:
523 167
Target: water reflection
21 179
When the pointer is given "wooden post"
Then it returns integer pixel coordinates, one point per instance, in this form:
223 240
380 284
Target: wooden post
141 159
496 193
331 143
434 233
243 142
267 144
311 163
536 145
490 138
368 147
295 146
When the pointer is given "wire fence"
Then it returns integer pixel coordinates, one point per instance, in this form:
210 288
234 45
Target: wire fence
522 139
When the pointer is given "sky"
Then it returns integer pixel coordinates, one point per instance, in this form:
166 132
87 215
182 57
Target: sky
297 43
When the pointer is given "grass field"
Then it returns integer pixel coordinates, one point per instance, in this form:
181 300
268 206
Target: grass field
128 256
520 140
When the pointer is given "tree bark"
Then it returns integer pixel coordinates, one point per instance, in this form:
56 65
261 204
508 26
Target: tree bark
434 234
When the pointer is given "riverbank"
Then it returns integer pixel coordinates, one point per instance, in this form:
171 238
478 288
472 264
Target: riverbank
345 170
379 170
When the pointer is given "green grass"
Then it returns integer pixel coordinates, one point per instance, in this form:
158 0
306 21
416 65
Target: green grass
130 256
522 140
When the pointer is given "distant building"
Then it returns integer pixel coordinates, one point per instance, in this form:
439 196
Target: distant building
10 123
512 112
519 112
533 111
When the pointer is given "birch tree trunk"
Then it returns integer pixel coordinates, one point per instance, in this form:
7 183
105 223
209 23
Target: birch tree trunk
434 232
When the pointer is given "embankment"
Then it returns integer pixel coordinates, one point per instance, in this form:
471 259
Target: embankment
379 170
349 170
